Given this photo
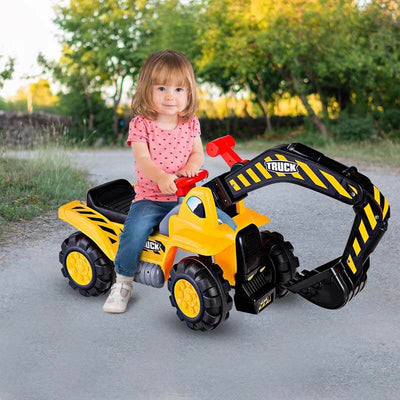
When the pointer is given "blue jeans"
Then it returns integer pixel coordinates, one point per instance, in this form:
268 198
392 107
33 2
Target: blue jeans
143 216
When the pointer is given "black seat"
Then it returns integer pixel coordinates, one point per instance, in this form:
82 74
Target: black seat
112 199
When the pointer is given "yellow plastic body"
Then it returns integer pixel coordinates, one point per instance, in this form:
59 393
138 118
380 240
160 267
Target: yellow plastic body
204 236
97 227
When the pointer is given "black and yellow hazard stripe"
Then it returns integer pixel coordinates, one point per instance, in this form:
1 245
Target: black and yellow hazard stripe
363 231
110 232
366 227
311 174
254 174
382 201
97 227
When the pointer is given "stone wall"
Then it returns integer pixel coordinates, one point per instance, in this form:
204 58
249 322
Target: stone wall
27 130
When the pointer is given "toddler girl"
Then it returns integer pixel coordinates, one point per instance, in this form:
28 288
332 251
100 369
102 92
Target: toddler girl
165 138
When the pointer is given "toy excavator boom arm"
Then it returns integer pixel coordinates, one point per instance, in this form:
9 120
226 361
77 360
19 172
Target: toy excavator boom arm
333 284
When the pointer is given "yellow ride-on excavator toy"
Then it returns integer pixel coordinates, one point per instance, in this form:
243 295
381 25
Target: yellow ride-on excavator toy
213 222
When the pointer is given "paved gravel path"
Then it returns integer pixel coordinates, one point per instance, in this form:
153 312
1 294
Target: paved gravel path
56 344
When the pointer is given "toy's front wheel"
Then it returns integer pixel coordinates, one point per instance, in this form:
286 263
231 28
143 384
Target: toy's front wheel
199 293
85 265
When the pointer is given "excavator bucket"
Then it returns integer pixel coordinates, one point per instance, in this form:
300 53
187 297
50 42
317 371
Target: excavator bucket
327 286
335 283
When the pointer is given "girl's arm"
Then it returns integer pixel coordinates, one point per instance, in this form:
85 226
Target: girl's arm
150 170
195 161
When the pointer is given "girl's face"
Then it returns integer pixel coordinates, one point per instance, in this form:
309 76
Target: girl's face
169 100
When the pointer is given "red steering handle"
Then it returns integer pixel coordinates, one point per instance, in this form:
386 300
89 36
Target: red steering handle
223 147
185 184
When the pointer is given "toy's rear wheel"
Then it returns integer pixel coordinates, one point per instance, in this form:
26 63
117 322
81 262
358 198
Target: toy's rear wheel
85 265
199 293
282 257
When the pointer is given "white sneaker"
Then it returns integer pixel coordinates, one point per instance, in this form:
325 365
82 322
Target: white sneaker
117 301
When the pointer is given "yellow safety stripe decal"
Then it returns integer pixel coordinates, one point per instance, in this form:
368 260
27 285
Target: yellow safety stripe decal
243 180
354 189
265 173
339 188
370 215
93 216
311 174
363 231
283 158
385 208
270 159
253 175
234 185
350 262
377 195
356 247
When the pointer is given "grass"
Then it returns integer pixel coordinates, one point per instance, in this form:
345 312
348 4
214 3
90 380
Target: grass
31 187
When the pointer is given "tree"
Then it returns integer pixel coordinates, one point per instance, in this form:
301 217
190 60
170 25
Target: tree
242 45
6 70
174 24
80 96
382 22
314 45
102 40
42 94
79 82
36 96
300 46
231 58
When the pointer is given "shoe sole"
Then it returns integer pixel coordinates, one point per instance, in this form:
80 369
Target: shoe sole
110 311
114 311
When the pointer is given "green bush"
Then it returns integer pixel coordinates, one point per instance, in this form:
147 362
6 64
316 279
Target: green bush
75 106
389 120
351 128
312 138
244 128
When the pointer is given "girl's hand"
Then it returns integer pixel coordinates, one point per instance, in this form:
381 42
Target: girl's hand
188 171
166 184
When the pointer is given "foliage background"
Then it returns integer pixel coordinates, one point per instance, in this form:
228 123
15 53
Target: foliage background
333 63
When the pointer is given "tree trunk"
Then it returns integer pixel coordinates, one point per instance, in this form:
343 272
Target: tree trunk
317 121
344 99
322 97
263 103
266 115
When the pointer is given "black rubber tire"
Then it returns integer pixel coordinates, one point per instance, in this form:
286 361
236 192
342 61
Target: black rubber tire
281 254
102 267
212 288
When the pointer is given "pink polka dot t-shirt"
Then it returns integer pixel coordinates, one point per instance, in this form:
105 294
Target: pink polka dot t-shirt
169 150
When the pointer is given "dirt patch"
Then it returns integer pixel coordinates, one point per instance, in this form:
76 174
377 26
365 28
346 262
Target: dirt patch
34 230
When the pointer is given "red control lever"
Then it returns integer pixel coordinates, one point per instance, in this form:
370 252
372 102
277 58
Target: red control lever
185 184
223 147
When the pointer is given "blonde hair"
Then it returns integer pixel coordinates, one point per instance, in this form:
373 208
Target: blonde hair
164 68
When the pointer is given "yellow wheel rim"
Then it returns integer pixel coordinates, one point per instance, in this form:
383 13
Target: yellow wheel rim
79 268
186 298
